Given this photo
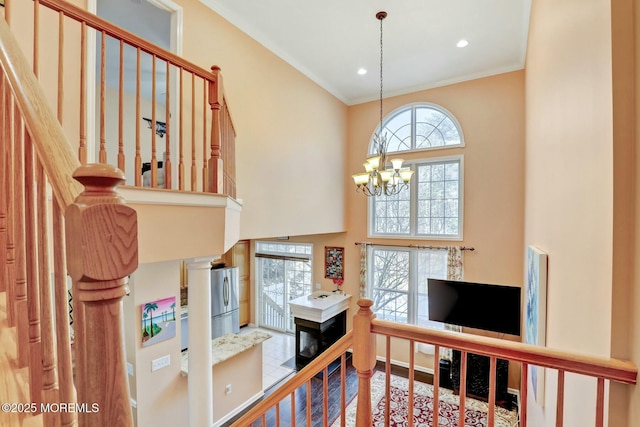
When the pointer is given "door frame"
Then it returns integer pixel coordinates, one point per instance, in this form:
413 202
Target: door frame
177 26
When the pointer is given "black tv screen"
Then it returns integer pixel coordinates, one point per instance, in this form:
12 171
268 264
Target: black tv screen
475 305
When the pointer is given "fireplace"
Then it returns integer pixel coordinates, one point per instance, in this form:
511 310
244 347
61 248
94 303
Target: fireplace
312 338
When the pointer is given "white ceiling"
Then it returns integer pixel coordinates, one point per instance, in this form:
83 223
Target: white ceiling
330 40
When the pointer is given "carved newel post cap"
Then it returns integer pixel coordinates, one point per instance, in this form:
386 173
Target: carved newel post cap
99 175
365 303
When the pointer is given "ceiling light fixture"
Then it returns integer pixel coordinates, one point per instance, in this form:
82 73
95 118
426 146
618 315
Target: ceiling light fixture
462 43
362 71
161 127
377 178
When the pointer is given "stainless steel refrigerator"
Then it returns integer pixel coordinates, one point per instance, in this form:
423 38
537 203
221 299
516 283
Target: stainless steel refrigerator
225 316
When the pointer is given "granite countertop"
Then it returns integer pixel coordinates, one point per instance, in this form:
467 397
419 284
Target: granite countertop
227 346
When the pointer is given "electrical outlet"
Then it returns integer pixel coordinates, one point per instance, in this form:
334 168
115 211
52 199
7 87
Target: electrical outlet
317 285
227 389
161 362
130 369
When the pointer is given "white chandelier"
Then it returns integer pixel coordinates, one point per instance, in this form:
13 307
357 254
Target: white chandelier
378 178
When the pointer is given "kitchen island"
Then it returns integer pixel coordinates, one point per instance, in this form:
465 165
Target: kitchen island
236 371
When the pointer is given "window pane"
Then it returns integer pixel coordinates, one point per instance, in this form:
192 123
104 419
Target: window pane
431 264
398 131
438 198
434 129
393 213
391 284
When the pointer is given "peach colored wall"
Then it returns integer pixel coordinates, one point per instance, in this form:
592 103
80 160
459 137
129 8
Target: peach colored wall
569 182
291 133
161 395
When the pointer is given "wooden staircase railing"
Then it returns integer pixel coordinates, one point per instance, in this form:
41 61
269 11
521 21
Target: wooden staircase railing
49 226
199 136
362 339
300 386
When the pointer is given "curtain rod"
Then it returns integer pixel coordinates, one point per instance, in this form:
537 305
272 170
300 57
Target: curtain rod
462 248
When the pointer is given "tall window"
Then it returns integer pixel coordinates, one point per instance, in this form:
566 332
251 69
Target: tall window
398 279
432 205
283 273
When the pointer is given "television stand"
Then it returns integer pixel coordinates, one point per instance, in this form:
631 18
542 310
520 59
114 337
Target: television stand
478 377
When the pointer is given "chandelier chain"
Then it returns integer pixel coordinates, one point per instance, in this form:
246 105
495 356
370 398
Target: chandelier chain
381 57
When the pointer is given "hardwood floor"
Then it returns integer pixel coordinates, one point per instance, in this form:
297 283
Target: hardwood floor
14 381
317 398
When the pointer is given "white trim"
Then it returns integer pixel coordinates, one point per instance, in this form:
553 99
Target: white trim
90 88
149 196
239 409
405 365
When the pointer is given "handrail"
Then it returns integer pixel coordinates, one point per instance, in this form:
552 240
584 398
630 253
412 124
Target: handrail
304 375
110 29
613 369
57 157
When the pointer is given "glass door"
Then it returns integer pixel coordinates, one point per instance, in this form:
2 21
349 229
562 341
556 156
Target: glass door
283 274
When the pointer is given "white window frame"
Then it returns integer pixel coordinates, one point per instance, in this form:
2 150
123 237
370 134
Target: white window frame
414 205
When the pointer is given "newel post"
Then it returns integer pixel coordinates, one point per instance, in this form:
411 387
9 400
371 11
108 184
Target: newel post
364 359
215 166
102 250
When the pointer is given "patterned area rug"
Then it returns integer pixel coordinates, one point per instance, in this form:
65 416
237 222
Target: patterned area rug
475 410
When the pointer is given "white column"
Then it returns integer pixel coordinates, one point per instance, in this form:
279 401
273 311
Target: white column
200 379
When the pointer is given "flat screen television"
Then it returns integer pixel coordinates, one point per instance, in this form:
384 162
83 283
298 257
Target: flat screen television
475 305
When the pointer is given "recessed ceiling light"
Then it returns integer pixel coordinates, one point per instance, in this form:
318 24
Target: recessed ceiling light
362 71
462 43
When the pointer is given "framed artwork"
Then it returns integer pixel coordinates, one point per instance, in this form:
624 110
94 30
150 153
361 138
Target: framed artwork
535 313
333 262
158 321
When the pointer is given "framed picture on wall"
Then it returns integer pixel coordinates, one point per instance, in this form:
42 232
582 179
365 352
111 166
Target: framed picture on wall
535 313
333 262
158 320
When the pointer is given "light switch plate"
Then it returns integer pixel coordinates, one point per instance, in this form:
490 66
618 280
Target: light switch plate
161 362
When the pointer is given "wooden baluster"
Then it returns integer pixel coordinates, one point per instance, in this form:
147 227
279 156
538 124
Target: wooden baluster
463 387
49 372
215 101
121 164
491 417
4 185
102 247
293 408
436 385
600 403
11 212
309 403
205 162
82 148
264 420
560 400
7 11
154 153
138 160
21 306
65 371
343 389
364 359
33 293
36 38
103 98
181 183
524 378
167 119
60 65
193 134
325 396
412 352
387 383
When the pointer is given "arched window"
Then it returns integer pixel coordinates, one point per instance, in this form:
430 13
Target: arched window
431 208
420 127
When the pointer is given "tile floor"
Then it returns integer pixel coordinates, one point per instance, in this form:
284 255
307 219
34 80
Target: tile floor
275 351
